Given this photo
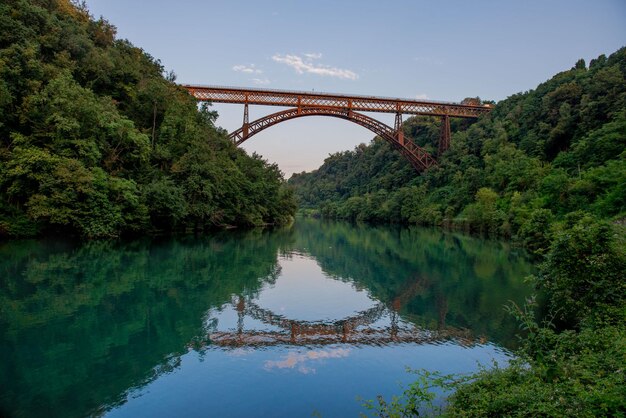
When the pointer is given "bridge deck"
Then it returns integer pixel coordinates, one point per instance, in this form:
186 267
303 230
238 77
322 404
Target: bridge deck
300 99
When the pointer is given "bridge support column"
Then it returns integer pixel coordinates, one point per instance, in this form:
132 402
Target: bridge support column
398 128
246 124
444 139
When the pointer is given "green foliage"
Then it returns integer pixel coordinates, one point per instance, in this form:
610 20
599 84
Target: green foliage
542 154
417 399
584 379
96 141
535 230
573 374
584 272
484 214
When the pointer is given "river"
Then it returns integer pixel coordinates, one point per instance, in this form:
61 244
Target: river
307 320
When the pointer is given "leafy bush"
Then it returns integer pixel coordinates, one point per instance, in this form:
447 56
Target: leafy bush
584 272
571 375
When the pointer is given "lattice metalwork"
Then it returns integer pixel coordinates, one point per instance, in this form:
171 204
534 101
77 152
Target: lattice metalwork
344 107
417 156
335 101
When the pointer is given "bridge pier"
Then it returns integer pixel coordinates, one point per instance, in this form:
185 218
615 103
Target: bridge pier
245 127
398 128
444 139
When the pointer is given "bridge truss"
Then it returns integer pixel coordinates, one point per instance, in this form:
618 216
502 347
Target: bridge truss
346 107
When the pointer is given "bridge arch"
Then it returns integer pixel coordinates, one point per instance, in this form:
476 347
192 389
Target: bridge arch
343 106
417 156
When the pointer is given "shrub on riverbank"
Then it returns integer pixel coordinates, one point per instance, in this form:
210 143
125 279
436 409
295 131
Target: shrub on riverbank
571 375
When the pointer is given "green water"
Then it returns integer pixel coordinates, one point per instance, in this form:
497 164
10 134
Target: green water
291 322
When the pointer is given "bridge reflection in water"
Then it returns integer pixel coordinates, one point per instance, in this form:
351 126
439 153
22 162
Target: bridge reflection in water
378 325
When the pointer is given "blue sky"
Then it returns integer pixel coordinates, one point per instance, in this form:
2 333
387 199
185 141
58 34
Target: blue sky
444 50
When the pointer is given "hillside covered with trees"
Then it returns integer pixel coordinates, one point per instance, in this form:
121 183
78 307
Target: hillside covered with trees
96 140
536 157
547 168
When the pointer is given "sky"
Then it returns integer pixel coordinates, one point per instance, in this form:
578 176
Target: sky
440 50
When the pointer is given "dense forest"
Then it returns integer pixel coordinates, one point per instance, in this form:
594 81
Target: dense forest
97 140
538 156
546 168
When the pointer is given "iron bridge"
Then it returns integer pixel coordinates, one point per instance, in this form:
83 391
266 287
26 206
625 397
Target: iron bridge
347 107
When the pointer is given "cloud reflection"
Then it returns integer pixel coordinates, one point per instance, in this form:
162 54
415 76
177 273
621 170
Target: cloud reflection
298 361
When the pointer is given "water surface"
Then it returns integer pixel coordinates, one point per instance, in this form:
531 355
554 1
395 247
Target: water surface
293 322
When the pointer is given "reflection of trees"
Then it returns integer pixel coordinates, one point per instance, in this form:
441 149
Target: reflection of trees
66 312
81 325
433 279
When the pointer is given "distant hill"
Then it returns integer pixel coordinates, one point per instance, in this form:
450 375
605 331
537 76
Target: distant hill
539 155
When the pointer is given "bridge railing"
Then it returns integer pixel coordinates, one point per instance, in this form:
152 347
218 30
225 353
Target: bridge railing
323 93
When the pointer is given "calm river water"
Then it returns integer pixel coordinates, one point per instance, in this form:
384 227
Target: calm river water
295 322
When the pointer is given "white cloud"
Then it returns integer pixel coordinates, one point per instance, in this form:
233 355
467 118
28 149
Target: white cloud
313 55
249 69
306 65
422 96
261 81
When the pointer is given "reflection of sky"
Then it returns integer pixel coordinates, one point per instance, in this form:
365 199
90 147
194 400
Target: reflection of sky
304 293
283 380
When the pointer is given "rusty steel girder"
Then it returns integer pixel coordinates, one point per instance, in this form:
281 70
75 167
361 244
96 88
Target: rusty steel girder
265 97
417 156
444 138
344 107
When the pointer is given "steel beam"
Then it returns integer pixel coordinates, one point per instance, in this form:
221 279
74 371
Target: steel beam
301 99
